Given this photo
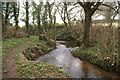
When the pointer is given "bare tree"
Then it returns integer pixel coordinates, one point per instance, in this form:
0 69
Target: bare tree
89 9
16 14
5 15
37 14
109 11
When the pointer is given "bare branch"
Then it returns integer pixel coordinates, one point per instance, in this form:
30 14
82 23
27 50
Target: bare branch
80 3
96 6
109 6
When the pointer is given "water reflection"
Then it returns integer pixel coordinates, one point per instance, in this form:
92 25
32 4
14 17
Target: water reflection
93 71
62 57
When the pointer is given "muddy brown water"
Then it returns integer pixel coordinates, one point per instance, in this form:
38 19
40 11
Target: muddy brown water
93 71
76 68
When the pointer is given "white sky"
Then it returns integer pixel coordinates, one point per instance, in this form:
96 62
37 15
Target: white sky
58 18
21 23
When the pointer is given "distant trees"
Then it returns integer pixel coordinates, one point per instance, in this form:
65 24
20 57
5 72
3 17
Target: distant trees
44 19
48 20
89 9
37 16
109 11
68 16
37 12
62 9
10 10
5 15
16 8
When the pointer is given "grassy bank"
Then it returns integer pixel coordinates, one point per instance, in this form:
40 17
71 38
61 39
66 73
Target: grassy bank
34 69
97 56
9 44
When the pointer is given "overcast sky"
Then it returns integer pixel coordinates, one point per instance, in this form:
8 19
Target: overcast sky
21 23
58 18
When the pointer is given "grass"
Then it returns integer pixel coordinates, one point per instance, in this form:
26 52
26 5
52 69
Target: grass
34 69
41 46
98 56
9 44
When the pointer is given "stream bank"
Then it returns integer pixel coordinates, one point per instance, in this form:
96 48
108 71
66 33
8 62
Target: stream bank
62 57
76 68
27 68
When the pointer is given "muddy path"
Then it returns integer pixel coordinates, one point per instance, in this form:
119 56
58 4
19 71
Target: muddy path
10 67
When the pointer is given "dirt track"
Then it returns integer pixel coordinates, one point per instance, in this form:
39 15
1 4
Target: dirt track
10 66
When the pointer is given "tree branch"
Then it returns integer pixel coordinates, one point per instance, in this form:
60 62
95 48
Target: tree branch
109 6
116 9
80 3
96 6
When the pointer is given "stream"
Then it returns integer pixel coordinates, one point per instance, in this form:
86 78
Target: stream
76 68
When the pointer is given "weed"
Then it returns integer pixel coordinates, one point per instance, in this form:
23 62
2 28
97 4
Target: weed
60 70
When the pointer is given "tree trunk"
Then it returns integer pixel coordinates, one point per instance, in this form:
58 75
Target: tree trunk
119 38
6 14
54 28
17 27
27 18
119 41
87 29
89 9
38 19
16 14
5 18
